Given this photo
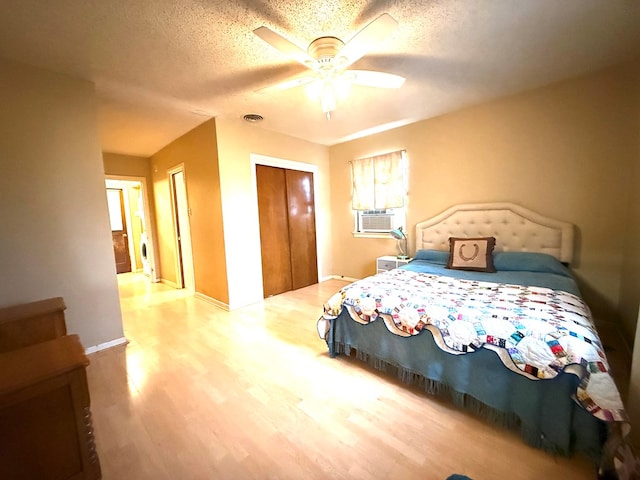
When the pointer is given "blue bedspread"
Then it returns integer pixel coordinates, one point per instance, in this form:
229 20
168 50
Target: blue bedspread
548 412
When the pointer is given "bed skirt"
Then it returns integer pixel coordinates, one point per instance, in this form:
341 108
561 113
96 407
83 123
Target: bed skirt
542 411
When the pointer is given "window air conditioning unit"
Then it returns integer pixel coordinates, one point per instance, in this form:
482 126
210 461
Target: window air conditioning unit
376 222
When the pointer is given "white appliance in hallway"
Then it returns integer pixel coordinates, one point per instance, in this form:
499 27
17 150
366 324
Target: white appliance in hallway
144 254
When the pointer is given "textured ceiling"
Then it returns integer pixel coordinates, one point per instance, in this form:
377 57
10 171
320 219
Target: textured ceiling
161 67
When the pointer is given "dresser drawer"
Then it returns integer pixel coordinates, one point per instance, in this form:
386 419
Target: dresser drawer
384 264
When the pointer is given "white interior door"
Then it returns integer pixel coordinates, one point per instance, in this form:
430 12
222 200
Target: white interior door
185 255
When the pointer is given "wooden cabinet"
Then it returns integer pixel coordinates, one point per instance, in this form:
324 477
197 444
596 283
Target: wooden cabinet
29 323
45 419
388 262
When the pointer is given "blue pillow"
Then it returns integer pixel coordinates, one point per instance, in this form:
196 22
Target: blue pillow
529 262
433 256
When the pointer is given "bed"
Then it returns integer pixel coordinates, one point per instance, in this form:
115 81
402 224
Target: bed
488 314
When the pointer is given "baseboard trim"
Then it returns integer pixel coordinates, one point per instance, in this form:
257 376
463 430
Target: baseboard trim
340 277
169 283
106 345
236 307
212 301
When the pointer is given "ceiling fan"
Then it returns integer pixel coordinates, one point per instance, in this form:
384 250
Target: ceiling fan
328 58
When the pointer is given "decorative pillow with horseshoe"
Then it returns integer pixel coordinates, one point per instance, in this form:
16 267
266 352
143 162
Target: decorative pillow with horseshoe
471 254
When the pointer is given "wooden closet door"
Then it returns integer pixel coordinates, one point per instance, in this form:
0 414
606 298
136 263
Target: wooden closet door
302 228
274 230
286 212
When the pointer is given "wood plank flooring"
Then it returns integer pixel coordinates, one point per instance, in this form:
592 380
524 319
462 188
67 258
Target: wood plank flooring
201 393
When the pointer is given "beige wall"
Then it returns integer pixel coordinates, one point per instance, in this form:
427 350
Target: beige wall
55 237
630 287
221 190
237 141
126 165
630 297
563 151
197 151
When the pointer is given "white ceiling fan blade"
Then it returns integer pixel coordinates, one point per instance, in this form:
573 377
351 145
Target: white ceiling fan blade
297 81
369 78
290 49
366 39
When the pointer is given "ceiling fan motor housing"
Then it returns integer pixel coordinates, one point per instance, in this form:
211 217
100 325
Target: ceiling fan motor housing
324 50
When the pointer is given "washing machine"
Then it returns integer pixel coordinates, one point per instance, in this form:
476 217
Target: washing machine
144 254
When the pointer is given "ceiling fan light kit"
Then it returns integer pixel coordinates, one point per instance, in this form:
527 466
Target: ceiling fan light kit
329 57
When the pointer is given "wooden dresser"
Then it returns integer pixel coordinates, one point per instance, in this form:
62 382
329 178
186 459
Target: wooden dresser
45 419
34 322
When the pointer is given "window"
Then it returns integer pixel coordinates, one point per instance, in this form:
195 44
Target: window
379 192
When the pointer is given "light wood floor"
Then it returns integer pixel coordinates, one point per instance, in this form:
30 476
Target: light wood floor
201 393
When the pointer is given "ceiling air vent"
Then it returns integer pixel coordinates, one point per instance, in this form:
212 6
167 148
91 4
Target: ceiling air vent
253 117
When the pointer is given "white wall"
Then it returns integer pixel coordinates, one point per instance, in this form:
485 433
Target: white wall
55 238
237 142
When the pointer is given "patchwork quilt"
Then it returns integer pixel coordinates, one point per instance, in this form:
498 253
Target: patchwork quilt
537 332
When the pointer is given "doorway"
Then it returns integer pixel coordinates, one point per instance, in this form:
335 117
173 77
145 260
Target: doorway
134 204
184 255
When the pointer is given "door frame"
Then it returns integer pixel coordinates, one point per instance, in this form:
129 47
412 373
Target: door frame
181 258
149 224
257 159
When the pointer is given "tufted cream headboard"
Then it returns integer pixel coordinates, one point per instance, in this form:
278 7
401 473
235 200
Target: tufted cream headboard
515 228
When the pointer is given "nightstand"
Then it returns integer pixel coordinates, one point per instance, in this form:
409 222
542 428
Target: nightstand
388 262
